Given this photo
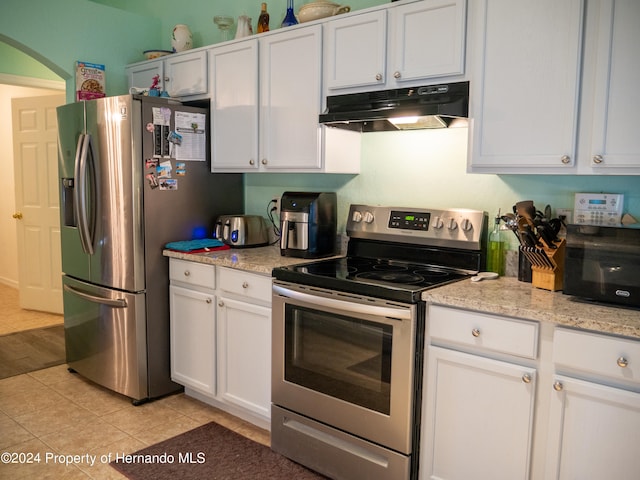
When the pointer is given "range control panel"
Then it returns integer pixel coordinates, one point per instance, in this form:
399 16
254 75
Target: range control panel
454 228
409 220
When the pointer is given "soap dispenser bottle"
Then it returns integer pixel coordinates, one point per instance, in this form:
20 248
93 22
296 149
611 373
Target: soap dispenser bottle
495 251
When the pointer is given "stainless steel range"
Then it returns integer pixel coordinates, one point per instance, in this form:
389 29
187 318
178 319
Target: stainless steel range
348 337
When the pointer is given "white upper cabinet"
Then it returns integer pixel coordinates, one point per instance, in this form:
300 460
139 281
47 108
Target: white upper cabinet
404 45
524 85
181 75
265 102
614 143
554 87
186 74
234 106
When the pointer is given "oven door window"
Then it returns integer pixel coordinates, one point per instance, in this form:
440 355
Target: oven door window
341 356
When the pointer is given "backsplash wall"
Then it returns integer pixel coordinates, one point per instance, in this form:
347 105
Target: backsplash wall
428 169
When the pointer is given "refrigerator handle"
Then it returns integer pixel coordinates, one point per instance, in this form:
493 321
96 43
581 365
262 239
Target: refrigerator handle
80 193
112 302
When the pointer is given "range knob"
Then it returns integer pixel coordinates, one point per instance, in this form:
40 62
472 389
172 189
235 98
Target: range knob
452 224
368 217
437 223
466 225
356 217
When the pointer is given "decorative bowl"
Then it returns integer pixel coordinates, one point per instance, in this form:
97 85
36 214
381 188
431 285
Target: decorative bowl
320 9
151 54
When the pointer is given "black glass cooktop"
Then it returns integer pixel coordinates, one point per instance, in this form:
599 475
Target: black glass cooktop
389 279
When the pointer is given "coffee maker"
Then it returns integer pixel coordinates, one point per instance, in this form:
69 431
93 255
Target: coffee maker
308 224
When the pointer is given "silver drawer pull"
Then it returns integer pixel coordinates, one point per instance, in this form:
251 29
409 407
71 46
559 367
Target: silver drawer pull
622 362
475 332
245 285
220 303
187 273
557 386
208 300
526 378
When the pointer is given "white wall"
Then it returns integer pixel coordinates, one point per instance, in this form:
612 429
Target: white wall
8 234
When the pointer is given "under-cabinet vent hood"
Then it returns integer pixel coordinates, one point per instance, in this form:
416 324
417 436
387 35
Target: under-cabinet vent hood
432 106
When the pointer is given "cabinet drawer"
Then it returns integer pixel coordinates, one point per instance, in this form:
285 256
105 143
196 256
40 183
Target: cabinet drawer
251 285
591 353
192 273
488 332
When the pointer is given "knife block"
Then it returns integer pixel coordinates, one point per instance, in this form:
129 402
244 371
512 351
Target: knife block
547 277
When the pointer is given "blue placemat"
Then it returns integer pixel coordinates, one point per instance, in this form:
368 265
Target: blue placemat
190 245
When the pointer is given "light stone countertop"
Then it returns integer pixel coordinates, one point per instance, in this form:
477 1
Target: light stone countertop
509 297
257 260
504 296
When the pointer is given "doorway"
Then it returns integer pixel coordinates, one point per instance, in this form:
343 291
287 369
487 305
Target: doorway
15 318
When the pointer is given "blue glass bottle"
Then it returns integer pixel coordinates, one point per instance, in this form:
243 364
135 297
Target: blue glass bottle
290 17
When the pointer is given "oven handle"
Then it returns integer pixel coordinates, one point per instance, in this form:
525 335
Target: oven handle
351 307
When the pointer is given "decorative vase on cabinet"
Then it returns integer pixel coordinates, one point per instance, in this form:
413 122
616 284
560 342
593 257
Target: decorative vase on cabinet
290 17
181 38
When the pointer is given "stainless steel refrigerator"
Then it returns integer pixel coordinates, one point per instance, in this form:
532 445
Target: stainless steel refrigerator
134 175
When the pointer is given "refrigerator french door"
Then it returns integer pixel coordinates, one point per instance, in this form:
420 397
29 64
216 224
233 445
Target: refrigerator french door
124 195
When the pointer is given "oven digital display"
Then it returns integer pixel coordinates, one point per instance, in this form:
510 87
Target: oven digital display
409 220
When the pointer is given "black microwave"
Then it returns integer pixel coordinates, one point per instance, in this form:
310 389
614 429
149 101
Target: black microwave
603 263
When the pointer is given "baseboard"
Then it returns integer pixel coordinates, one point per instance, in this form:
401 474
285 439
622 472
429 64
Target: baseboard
9 283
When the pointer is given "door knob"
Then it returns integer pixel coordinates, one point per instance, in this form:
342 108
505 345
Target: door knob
17 215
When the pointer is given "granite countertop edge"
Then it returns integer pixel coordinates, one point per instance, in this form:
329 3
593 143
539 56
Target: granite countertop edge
505 296
509 297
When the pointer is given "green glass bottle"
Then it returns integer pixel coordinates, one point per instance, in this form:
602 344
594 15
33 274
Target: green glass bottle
495 250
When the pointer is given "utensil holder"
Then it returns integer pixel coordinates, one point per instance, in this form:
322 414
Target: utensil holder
547 265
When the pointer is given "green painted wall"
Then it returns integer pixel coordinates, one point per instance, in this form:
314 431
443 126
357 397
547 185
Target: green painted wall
16 62
404 169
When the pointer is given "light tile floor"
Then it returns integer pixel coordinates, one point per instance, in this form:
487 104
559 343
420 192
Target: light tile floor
53 412
15 319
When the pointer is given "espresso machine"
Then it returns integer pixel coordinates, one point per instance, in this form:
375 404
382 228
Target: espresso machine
308 224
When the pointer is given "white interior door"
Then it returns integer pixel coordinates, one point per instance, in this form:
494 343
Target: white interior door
37 215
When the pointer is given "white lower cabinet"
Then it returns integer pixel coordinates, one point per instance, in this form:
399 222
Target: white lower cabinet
505 398
478 412
244 355
221 337
595 408
192 339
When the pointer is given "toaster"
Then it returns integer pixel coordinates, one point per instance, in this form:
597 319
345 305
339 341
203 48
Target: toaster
242 230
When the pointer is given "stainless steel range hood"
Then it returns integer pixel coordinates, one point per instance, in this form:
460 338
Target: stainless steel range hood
432 106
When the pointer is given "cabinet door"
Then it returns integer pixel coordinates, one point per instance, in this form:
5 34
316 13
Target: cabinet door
290 82
525 88
186 74
426 40
244 355
593 431
615 140
355 51
477 418
233 70
141 76
193 339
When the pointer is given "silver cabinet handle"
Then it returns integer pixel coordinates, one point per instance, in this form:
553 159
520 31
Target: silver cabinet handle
187 273
167 79
397 74
475 332
252 162
598 159
622 362
557 386
263 161
245 284
526 378
378 76
221 303
208 300
565 159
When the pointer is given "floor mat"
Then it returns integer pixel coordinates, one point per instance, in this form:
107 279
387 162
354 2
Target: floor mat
31 350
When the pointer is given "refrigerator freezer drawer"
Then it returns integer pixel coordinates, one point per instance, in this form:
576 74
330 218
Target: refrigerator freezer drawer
105 336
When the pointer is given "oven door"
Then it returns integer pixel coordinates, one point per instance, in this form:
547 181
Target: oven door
346 361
